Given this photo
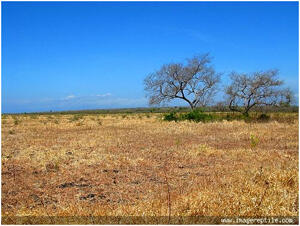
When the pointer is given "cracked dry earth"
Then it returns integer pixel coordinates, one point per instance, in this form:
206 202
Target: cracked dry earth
111 165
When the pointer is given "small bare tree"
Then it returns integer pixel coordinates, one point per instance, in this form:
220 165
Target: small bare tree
256 89
195 82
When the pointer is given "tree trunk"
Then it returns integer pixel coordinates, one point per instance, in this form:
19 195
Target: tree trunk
190 103
246 113
192 106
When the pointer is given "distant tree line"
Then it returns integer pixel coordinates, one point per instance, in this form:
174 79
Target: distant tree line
197 83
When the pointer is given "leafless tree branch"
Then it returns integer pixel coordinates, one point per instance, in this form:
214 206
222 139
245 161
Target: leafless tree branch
196 82
256 89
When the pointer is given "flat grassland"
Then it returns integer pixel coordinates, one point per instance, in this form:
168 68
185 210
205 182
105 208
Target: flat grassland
140 165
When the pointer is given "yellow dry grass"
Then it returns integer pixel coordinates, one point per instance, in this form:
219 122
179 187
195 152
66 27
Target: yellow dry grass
112 165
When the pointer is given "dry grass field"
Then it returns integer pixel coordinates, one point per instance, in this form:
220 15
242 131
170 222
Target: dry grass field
140 165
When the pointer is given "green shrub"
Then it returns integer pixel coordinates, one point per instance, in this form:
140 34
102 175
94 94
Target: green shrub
239 117
171 117
195 115
229 117
263 118
199 116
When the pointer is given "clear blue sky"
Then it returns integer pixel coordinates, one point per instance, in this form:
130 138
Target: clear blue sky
63 56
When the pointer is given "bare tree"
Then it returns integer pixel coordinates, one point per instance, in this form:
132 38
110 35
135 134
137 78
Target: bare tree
256 89
195 82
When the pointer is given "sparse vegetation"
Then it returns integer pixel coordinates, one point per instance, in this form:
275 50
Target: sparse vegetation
218 168
33 116
49 117
99 122
75 117
79 123
16 122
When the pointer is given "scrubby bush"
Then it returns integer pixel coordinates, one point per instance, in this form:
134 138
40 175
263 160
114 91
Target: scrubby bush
196 116
200 116
263 118
171 116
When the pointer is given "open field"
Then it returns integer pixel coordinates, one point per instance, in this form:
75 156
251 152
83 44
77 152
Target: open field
139 165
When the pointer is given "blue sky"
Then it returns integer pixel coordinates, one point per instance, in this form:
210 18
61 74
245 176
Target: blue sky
89 55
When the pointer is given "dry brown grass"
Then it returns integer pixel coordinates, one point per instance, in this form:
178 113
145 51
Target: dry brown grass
142 166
